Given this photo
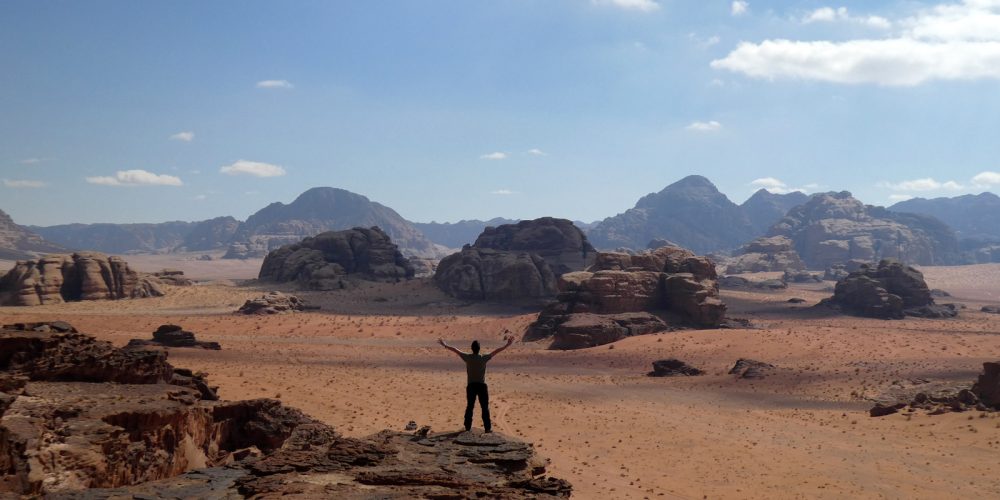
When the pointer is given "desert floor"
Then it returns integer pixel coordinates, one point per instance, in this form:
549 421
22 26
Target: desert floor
368 360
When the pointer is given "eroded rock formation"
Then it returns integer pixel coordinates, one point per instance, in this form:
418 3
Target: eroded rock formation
55 279
81 419
613 298
329 260
767 254
172 336
891 290
673 368
515 261
273 303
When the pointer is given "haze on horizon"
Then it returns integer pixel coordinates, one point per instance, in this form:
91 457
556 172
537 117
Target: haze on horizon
145 112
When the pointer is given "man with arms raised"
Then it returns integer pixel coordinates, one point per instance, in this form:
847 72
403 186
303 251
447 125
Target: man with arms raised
475 367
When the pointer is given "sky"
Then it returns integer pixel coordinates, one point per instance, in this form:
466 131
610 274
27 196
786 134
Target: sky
124 111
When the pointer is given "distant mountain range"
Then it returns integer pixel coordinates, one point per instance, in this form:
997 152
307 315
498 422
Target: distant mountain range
694 214
690 212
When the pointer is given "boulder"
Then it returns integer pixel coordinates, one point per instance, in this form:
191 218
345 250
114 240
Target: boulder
515 261
172 336
55 279
766 254
672 368
272 303
987 387
328 260
890 291
801 277
990 309
583 330
751 369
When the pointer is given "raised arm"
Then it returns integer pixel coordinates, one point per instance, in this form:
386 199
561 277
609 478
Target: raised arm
450 348
510 340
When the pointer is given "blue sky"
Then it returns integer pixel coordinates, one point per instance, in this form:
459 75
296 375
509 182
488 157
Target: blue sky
151 111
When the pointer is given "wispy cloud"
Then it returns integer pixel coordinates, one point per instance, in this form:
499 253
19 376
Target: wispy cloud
23 184
183 136
896 198
498 155
502 192
709 126
639 5
841 14
136 178
254 168
537 152
778 186
986 179
925 184
949 41
275 84
31 161
739 7
201 197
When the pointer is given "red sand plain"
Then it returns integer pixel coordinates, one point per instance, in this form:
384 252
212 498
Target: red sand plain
368 360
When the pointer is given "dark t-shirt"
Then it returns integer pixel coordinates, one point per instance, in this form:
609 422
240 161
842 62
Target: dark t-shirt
475 366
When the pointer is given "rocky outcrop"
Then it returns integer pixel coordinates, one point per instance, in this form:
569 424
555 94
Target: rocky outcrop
515 262
18 242
941 397
81 276
765 208
891 290
320 210
209 234
173 277
329 260
114 428
673 368
833 228
669 281
801 277
273 303
987 387
751 369
691 212
767 254
172 336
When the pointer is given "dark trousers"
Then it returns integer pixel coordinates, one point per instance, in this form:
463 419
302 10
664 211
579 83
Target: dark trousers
472 391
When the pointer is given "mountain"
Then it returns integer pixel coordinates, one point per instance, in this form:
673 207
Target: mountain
17 242
210 234
975 217
765 208
457 234
833 228
324 209
118 238
690 212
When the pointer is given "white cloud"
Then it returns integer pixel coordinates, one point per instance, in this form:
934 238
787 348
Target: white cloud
23 183
502 192
841 14
274 84
254 168
537 152
640 5
778 186
704 42
739 7
183 136
709 126
986 179
925 184
136 178
498 155
30 161
896 198
201 197
956 41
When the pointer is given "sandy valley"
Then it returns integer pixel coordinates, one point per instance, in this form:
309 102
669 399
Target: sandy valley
368 360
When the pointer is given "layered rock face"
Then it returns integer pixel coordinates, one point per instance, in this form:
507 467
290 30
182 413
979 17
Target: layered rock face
891 291
614 297
515 261
767 254
833 228
81 419
17 242
320 210
272 303
325 261
81 276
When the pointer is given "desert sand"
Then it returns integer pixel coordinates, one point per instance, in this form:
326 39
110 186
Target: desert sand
368 360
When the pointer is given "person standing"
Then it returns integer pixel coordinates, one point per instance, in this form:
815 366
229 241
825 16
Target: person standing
475 368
